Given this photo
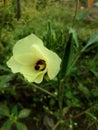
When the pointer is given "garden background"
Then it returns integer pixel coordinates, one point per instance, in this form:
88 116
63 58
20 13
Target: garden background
23 105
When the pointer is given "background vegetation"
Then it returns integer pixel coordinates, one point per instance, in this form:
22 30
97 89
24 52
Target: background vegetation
22 105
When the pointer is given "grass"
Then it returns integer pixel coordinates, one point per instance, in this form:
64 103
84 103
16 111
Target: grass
81 87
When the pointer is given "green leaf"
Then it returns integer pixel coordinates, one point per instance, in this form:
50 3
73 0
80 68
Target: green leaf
73 102
4 110
65 110
91 41
50 37
94 72
15 110
95 92
20 126
92 116
84 90
48 122
4 68
24 113
69 94
7 125
4 79
66 58
94 65
74 34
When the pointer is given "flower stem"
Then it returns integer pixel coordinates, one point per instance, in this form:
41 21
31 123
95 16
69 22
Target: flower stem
43 90
60 96
64 66
76 10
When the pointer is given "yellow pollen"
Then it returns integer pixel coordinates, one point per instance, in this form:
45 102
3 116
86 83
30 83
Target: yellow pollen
40 65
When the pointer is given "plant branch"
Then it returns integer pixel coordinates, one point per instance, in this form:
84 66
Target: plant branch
43 90
83 112
56 125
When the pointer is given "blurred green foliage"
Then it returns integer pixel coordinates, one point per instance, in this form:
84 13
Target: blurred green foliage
51 21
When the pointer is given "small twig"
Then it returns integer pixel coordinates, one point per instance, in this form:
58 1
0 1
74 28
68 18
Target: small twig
56 125
83 112
43 90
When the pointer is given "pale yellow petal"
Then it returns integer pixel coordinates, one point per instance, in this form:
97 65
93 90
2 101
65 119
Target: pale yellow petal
37 78
25 59
27 52
27 71
53 61
24 45
40 77
32 57
53 64
15 67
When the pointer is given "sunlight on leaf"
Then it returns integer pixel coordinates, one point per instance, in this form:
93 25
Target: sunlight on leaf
24 113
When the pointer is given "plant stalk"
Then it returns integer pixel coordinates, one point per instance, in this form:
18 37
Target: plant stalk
43 90
76 10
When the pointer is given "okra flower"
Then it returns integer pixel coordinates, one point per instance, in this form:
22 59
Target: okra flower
32 59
